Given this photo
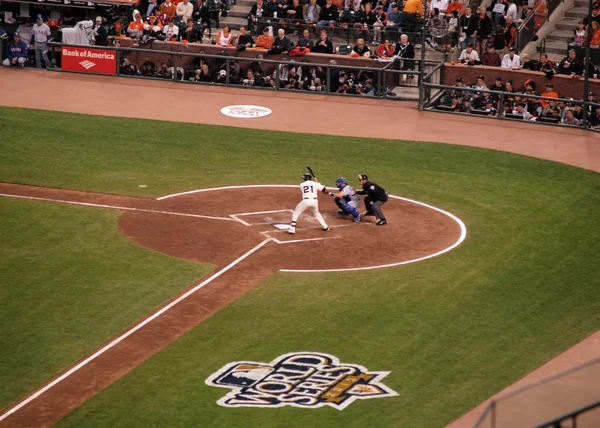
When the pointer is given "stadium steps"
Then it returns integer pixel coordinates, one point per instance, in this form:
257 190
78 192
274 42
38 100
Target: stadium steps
559 37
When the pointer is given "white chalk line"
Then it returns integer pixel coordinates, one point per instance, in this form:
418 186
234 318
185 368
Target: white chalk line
115 207
292 241
247 186
461 238
131 331
262 212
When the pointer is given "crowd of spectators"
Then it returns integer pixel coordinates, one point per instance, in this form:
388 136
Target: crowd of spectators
258 73
518 103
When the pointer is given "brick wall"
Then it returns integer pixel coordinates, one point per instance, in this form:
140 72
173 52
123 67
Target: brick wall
565 86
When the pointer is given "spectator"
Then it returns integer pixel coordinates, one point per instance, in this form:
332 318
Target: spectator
550 93
412 14
579 34
380 22
328 15
595 41
171 31
497 16
364 19
510 33
545 66
498 39
491 57
480 85
394 23
512 11
201 12
152 8
455 5
224 37
257 66
570 119
323 45
184 10
191 34
257 11
361 49
100 33
521 111
282 43
25 30
405 52
168 9
527 63
466 108
17 52
282 8
468 26
469 56
41 33
153 26
483 31
440 5
244 39
252 80
295 11
540 11
221 77
453 29
385 50
511 60
264 41
311 12
305 41
136 27
489 107
368 89
570 64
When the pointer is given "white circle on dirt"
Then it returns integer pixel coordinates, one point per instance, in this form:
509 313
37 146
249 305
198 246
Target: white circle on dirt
459 222
246 111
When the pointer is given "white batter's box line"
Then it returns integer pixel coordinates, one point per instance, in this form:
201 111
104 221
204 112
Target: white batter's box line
247 186
114 207
294 241
245 223
331 227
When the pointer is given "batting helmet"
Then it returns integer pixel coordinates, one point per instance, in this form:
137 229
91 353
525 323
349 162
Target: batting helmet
306 176
340 181
362 177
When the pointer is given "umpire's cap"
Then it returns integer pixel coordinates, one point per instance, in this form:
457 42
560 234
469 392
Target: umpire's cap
362 177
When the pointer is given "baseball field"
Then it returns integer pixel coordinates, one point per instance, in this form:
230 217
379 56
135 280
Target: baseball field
87 252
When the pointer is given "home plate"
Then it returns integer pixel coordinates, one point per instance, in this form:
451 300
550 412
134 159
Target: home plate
282 226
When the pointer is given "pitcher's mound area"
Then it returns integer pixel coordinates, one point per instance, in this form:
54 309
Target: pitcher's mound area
414 231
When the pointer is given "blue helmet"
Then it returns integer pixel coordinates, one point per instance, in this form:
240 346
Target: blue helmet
340 181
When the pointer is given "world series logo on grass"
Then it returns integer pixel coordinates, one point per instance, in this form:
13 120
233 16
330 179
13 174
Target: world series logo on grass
298 379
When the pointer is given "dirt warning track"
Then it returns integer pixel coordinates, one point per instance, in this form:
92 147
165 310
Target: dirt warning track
246 239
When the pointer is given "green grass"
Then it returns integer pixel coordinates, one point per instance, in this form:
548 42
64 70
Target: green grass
453 330
68 282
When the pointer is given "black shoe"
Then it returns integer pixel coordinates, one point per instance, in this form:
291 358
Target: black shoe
368 214
381 222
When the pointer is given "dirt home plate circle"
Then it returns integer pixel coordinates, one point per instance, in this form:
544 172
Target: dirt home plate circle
238 218
246 111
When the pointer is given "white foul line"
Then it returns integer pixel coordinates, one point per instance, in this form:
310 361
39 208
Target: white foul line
131 331
115 207
225 188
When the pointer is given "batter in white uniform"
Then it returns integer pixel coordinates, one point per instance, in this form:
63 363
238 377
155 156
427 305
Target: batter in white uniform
309 201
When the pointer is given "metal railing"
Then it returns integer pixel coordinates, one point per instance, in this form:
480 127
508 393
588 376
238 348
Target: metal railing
435 97
349 30
537 17
571 398
333 79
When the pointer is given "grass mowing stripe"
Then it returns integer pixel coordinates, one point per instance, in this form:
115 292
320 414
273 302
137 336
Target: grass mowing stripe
69 282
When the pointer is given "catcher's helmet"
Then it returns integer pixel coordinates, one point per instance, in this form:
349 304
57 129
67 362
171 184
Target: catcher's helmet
340 181
306 176
362 177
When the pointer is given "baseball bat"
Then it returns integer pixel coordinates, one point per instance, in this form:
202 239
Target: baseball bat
311 172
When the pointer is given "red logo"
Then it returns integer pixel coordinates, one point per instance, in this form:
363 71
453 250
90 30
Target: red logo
89 60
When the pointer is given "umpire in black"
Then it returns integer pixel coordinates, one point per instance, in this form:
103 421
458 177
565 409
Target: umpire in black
376 197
